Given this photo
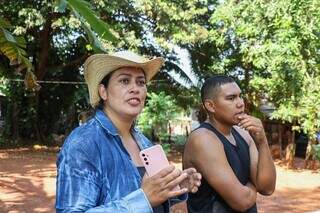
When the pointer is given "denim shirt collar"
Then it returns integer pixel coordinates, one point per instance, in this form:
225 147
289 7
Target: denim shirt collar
107 124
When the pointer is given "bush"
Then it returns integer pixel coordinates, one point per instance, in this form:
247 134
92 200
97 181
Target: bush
179 140
317 151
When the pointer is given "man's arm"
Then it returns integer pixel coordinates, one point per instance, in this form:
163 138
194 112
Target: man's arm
207 155
263 172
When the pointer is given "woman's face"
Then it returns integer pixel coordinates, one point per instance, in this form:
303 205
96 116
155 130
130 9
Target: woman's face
126 92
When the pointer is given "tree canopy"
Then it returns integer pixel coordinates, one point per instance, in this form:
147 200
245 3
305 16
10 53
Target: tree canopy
270 47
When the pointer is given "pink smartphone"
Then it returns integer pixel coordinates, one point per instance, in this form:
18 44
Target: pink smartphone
154 159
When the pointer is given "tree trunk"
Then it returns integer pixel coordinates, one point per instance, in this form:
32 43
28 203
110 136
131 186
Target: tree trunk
40 71
309 161
37 123
169 139
71 119
291 150
14 121
280 131
154 136
248 100
45 37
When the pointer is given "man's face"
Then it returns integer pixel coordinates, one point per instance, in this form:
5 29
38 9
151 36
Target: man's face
228 104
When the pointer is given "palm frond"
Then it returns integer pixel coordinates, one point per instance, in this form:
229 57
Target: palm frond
13 47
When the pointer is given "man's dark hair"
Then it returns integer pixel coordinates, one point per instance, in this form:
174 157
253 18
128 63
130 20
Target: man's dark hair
211 86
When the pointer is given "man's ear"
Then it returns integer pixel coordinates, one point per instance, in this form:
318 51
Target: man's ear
102 92
209 105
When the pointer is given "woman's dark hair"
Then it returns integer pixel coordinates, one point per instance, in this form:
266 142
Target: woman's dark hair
105 82
87 114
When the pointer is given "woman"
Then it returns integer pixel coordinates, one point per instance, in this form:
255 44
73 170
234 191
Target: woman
99 169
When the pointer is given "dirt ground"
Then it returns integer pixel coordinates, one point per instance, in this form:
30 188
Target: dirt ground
27 184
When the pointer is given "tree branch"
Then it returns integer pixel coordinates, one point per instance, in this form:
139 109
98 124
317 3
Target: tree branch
73 63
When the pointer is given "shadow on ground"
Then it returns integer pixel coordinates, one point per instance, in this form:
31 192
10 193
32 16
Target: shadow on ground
27 181
27 184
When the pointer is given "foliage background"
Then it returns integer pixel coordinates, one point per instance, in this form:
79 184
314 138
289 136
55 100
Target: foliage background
270 47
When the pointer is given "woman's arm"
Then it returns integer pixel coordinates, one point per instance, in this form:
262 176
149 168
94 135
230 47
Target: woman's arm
79 185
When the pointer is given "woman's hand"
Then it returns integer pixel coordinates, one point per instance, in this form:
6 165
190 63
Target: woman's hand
160 187
193 181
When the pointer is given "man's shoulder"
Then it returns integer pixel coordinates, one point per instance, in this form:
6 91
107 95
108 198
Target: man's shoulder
203 137
202 133
202 145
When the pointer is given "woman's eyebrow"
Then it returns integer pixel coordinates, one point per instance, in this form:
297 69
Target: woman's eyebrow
125 74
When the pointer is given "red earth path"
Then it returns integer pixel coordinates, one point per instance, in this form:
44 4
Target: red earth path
27 184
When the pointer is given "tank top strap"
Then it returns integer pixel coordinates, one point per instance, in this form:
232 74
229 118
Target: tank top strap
238 137
208 126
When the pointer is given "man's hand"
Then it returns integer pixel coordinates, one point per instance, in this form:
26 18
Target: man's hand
254 126
193 181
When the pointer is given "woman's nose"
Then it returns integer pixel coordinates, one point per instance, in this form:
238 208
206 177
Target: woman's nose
134 87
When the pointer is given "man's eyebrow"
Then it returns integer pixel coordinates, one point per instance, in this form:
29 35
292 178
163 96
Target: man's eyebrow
231 95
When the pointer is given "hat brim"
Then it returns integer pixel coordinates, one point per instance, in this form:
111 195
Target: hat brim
98 66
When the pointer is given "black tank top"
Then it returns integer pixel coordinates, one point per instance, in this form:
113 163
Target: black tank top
207 200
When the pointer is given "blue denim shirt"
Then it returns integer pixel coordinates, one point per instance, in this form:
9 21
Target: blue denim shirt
96 173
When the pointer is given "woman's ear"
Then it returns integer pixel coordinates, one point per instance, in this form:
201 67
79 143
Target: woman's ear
102 92
209 105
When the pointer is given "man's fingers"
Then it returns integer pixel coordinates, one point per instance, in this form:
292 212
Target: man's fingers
244 116
246 125
254 129
245 122
194 189
197 180
190 171
253 121
199 176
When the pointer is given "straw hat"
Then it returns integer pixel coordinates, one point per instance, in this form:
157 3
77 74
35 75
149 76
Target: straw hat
97 66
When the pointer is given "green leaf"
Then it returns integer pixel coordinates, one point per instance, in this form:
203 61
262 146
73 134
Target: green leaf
13 48
8 36
61 5
95 42
4 23
82 8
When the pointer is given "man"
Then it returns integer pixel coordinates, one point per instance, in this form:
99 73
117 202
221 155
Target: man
230 150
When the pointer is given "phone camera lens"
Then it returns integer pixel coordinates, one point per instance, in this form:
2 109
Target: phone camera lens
145 159
147 163
143 155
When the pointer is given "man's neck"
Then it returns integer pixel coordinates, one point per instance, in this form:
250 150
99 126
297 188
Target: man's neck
221 127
